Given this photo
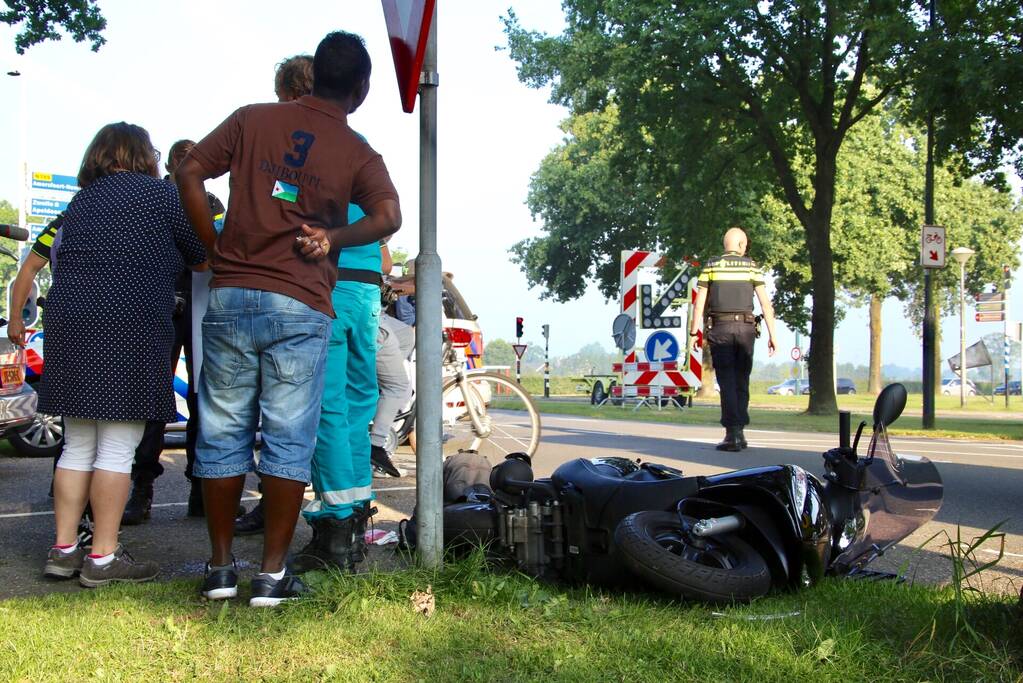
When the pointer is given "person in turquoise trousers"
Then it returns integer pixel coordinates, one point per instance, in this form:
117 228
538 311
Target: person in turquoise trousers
341 471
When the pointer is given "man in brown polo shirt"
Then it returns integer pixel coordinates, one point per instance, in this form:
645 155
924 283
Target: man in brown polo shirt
294 167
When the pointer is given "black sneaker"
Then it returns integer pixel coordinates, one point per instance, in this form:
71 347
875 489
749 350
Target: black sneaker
220 583
251 522
378 456
270 592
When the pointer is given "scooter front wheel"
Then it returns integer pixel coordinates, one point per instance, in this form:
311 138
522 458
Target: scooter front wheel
721 568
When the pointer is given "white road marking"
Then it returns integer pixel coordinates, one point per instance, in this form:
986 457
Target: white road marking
245 499
995 552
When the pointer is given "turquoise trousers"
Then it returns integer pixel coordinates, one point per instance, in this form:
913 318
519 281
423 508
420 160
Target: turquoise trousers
341 471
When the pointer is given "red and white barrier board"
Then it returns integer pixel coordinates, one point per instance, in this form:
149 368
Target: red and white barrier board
662 326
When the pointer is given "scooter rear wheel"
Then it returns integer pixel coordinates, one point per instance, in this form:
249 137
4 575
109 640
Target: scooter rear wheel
724 569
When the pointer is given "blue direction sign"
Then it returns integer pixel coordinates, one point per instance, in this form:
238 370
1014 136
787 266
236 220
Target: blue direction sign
47 207
54 182
661 347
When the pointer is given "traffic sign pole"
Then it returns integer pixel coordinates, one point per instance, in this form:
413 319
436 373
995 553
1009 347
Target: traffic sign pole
546 361
429 475
1005 334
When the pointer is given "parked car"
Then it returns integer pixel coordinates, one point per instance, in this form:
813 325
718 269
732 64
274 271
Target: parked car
1015 389
18 399
950 387
789 387
843 386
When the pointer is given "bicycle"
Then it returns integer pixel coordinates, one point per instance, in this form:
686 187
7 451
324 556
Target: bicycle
482 410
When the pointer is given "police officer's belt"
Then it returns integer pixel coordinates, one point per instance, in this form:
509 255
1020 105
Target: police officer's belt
733 317
369 277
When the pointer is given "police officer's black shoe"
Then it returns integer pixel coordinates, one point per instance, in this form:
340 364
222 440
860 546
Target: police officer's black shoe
729 443
331 546
140 503
251 522
740 438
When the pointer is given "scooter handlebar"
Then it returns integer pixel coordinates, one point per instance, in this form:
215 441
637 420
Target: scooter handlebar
14 232
843 430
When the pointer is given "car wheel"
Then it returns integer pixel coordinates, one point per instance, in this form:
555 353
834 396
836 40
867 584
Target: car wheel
789 392
43 438
851 391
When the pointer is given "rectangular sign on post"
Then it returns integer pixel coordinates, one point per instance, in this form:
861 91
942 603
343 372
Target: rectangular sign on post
932 246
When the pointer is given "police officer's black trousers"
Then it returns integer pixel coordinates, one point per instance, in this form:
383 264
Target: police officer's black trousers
147 455
731 348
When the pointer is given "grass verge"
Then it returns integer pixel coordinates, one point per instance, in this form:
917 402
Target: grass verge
501 627
790 420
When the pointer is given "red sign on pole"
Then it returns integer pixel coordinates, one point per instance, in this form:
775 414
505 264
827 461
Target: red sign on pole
408 25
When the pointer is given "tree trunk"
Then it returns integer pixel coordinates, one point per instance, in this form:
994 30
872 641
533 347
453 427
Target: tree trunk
822 278
874 382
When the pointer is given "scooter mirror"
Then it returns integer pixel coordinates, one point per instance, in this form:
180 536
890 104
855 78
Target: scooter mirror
889 405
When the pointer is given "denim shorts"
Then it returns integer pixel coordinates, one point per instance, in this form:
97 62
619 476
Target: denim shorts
263 363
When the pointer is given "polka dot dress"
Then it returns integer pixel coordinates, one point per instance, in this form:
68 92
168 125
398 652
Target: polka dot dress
107 319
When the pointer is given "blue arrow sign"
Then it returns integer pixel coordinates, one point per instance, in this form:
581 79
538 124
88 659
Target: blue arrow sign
661 347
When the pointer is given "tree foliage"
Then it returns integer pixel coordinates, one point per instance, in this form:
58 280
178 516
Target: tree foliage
42 20
713 106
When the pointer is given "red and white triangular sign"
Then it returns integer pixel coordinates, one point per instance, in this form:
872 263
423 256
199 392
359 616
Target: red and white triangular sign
519 350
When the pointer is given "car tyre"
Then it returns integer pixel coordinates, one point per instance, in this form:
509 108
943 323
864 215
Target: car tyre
43 438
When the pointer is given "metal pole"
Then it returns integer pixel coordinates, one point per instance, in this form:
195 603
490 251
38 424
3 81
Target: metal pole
547 366
962 334
1005 333
929 351
429 457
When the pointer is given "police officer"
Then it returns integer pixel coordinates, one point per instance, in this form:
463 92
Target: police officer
726 288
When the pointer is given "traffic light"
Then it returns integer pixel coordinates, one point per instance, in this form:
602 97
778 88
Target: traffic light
518 328
546 331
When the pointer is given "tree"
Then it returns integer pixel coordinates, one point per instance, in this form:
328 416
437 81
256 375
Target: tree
498 352
41 20
8 266
719 103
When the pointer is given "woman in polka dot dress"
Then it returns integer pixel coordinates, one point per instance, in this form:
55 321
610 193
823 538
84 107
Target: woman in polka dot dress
108 341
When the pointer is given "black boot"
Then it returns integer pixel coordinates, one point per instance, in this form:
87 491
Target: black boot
729 443
331 547
196 507
251 522
740 438
362 515
139 503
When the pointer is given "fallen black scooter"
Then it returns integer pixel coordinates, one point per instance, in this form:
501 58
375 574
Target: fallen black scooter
725 537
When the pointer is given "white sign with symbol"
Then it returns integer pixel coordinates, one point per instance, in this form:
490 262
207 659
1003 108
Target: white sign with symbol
932 246
519 350
797 353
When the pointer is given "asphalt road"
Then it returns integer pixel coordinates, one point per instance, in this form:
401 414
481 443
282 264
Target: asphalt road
983 482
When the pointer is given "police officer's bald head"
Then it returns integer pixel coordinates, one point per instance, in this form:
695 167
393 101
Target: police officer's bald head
735 240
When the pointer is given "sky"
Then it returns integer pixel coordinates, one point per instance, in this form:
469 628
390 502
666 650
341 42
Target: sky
179 68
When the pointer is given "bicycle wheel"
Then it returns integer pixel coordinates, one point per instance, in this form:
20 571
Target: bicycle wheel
508 419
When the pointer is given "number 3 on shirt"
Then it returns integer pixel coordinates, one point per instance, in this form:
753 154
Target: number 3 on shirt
303 143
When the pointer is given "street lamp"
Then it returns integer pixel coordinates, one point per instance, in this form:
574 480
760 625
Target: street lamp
22 161
962 255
